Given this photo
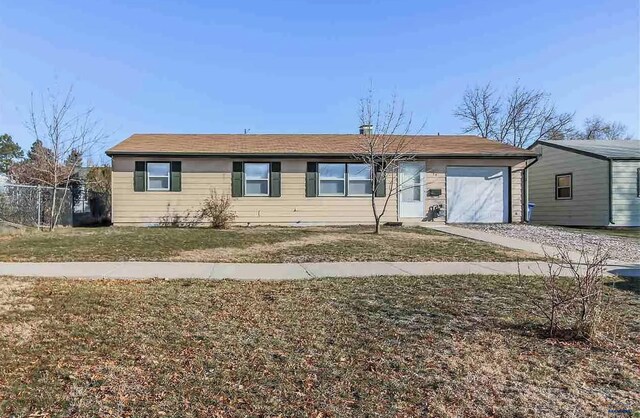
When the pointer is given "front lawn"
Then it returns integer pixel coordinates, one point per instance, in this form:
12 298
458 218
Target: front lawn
257 245
393 346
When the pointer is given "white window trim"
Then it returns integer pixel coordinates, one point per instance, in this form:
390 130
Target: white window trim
149 177
348 189
343 179
570 186
247 178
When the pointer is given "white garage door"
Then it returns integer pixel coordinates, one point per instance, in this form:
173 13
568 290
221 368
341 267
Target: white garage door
477 194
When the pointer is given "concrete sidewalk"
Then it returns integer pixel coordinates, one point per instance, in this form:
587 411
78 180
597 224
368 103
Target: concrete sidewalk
287 271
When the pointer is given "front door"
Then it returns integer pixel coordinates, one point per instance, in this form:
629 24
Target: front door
411 189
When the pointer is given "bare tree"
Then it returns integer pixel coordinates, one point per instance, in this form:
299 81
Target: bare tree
385 142
519 118
64 136
597 128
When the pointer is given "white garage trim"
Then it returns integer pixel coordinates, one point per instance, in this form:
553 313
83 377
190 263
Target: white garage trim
478 194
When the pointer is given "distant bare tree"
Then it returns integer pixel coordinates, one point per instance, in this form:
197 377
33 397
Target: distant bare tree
519 118
386 141
64 136
597 128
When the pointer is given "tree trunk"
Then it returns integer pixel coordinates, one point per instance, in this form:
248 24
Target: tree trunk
377 231
53 209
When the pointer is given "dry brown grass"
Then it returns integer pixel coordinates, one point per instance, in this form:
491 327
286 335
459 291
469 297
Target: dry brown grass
13 297
393 346
254 245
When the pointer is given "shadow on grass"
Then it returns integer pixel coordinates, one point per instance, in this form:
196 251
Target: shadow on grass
630 284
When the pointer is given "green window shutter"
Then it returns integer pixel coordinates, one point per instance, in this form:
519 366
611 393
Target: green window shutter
311 180
274 189
140 176
176 176
237 179
381 182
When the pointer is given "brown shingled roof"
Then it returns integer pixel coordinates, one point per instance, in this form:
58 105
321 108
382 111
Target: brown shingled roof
304 144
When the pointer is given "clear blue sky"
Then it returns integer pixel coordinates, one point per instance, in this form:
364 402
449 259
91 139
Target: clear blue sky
301 66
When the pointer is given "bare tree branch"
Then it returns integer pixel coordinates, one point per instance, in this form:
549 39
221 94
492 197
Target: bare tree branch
62 136
386 141
519 119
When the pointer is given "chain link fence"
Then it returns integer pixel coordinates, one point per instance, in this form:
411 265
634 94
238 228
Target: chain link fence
31 205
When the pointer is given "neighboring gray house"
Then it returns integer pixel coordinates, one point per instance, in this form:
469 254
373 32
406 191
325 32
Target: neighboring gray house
585 183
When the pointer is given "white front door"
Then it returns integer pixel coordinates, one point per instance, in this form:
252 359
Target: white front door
411 189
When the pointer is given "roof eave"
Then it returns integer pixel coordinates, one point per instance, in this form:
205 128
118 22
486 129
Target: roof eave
112 153
583 152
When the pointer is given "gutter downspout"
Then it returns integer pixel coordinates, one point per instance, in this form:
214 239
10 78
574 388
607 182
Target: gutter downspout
611 192
525 185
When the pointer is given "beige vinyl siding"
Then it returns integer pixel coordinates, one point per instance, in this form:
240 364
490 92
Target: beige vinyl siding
200 175
589 205
625 202
437 173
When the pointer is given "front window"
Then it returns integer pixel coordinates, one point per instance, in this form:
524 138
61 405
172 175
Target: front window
256 177
332 179
158 175
564 186
359 179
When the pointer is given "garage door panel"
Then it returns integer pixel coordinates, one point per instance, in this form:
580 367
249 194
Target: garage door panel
477 194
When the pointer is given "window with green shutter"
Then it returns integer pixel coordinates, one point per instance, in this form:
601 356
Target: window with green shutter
255 179
157 176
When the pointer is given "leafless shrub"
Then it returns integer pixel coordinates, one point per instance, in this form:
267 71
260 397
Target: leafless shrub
573 302
216 210
173 219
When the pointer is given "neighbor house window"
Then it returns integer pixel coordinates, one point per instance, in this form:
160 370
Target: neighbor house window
359 179
158 176
564 186
256 179
332 179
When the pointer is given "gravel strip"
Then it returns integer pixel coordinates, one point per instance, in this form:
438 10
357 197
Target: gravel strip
620 248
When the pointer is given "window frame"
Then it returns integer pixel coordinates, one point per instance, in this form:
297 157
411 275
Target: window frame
344 181
149 176
638 183
247 178
349 180
570 187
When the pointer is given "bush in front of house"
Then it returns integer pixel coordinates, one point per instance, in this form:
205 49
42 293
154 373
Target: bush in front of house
216 210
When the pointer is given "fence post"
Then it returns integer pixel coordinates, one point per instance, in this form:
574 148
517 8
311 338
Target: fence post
39 207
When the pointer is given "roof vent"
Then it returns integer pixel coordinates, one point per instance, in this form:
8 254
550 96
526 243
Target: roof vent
366 130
